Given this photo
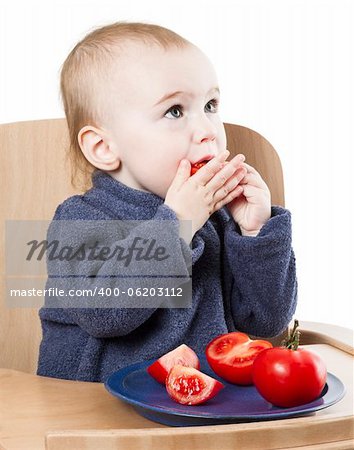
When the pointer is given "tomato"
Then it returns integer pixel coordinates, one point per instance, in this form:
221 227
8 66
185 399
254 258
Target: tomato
182 355
289 376
189 386
195 167
231 356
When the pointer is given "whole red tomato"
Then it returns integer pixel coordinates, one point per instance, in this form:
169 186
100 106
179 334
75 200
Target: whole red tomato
231 356
289 376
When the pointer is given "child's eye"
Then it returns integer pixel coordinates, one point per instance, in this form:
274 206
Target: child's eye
212 105
176 111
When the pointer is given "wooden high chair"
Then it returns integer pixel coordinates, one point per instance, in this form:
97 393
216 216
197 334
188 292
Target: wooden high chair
35 179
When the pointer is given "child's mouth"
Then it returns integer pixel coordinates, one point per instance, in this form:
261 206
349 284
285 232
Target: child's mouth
199 164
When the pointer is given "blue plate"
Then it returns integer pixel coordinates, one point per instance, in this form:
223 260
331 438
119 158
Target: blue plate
232 404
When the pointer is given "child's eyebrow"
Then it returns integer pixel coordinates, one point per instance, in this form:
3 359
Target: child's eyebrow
177 93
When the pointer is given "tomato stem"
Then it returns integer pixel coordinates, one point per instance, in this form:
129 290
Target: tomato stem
293 341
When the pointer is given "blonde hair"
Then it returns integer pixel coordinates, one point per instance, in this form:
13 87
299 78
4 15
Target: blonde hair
85 73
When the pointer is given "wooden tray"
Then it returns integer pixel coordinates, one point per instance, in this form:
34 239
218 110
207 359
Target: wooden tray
46 413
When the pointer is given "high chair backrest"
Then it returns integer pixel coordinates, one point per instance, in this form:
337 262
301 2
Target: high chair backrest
35 179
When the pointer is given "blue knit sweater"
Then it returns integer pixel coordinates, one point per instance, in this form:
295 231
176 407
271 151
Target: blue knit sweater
239 283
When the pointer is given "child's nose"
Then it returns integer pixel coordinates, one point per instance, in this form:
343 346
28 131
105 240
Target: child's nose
210 137
204 131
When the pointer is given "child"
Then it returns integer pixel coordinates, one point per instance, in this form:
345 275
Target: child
141 104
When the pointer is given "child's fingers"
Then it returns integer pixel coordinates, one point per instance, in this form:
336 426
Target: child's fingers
237 159
207 172
254 179
250 169
254 194
231 196
230 185
182 174
227 173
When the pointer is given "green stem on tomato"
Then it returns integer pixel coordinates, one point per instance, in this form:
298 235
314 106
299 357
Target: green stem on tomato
293 341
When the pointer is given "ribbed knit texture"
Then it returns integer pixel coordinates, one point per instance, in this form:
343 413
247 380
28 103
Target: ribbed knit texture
239 283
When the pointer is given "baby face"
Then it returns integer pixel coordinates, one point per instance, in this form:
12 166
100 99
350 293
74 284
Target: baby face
164 108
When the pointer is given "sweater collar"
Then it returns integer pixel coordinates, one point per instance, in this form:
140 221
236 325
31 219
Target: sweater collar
103 180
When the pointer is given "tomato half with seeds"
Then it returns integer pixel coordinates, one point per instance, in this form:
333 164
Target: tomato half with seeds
231 356
182 355
189 386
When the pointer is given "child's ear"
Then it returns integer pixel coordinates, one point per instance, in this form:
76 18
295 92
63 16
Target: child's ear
97 151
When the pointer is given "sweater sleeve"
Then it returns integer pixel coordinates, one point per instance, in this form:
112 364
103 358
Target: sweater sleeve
105 316
263 295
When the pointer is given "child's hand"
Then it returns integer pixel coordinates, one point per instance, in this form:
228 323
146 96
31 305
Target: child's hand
252 209
213 186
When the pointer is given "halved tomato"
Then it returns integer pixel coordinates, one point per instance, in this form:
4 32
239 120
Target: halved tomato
231 356
182 355
189 386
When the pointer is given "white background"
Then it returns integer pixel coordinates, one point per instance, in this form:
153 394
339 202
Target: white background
285 69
